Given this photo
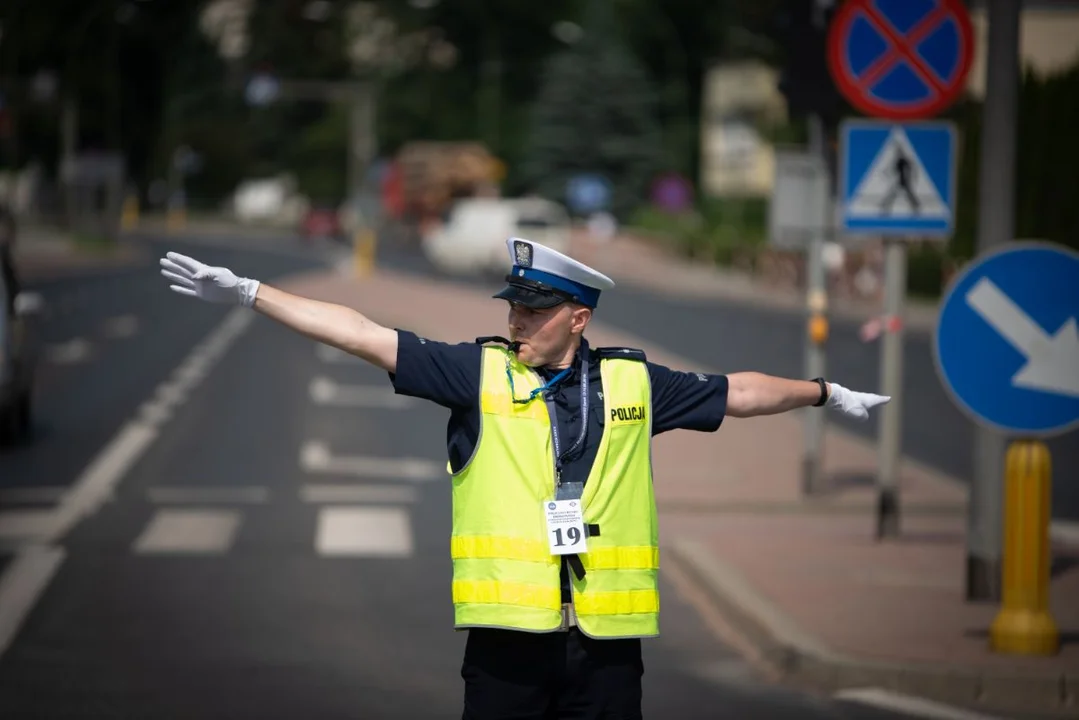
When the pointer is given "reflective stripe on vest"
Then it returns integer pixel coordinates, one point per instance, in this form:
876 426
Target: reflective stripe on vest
504 574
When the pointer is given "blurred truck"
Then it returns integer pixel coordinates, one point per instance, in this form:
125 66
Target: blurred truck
428 177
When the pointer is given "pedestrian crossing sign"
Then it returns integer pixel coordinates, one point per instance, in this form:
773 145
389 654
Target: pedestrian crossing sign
897 178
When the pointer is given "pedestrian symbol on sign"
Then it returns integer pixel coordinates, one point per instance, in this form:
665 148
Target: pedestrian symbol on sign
897 185
902 183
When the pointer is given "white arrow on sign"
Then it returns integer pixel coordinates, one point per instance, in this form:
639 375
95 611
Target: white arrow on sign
1052 362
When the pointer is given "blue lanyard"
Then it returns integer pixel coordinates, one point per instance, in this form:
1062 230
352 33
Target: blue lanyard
543 388
555 439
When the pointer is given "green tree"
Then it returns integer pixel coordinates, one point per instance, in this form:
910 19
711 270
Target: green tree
595 113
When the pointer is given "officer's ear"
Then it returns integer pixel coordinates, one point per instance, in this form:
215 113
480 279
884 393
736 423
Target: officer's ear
579 317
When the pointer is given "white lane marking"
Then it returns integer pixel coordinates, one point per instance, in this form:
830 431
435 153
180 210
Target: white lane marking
96 483
1065 532
172 393
364 531
32 494
21 585
154 413
68 353
727 672
217 495
315 457
175 391
26 525
908 704
330 354
324 391
188 532
192 372
345 494
122 326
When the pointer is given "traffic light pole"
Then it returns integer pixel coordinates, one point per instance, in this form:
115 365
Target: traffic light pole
816 301
816 328
359 96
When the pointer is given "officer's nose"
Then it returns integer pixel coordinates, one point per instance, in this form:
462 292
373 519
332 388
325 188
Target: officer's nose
515 321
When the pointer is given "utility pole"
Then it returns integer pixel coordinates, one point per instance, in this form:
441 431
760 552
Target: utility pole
996 225
361 146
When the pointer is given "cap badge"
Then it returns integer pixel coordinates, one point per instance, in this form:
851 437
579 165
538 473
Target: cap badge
522 253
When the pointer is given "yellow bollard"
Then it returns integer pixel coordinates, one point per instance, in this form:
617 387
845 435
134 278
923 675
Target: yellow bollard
363 245
1024 626
818 329
129 219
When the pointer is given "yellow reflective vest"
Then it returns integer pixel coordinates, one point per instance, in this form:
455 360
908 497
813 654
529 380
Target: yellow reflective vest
504 574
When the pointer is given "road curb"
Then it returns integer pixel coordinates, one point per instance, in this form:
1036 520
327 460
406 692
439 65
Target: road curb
803 661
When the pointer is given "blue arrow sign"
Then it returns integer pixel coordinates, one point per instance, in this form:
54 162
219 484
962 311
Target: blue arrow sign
1007 346
897 178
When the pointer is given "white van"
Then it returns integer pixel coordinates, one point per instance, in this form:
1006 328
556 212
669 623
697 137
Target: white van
473 240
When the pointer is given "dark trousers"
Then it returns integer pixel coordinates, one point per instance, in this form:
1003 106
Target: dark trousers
530 676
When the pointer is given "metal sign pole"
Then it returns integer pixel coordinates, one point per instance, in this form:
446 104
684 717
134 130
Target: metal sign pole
996 224
891 379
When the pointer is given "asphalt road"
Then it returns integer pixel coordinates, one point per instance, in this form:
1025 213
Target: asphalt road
238 570
729 337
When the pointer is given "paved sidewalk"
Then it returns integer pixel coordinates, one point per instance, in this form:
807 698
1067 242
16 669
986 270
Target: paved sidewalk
638 262
805 582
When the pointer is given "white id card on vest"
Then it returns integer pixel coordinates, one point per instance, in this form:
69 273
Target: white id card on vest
565 527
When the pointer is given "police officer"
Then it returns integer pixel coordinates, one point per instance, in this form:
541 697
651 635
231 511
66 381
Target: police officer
555 540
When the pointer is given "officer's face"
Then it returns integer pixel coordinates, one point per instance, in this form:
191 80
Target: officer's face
546 335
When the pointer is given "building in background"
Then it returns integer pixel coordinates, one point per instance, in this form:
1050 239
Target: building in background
738 100
1048 39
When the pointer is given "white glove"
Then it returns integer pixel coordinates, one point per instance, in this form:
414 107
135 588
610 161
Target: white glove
212 284
855 404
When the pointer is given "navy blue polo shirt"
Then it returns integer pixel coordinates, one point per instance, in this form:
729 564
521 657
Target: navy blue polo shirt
449 374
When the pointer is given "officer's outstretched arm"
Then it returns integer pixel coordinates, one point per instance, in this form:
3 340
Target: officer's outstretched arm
750 394
329 323
332 324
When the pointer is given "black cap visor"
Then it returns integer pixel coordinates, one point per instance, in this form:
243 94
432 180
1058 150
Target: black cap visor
532 294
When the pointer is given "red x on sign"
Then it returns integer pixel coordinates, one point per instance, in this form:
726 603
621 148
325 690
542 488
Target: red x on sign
900 59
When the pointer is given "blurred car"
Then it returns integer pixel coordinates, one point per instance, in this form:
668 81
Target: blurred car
272 200
19 350
322 221
473 238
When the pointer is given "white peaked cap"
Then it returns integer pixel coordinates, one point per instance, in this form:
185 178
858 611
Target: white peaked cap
543 277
